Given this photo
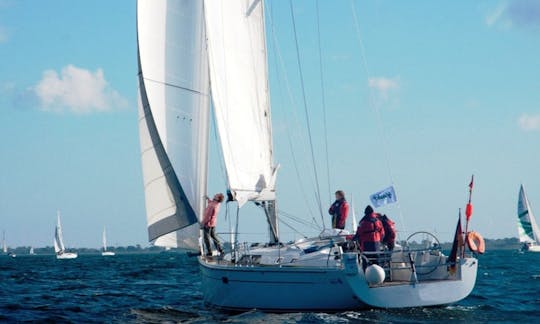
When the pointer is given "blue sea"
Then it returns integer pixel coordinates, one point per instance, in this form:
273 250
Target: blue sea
165 287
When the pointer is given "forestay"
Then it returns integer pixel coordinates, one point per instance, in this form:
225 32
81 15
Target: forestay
173 125
238 73
527 227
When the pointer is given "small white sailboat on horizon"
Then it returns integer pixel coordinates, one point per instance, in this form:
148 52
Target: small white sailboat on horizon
5 249
31 252
104 241
182 46
4 245
528 231
58 243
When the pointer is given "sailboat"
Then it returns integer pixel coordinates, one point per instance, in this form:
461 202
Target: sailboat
5 248
59 248
4 245
528 231
192 54
31 252
104 240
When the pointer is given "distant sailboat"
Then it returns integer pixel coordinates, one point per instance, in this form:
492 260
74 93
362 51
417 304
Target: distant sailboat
59 248
31 252
4 246
104 239
528 231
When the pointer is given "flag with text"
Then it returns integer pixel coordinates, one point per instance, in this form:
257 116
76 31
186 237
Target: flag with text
384 197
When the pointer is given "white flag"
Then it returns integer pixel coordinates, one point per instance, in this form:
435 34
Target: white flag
384 197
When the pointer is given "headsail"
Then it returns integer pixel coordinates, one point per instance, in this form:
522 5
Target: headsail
173 124
527 227
239 78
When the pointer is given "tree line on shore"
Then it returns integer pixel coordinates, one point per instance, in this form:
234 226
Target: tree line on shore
510 243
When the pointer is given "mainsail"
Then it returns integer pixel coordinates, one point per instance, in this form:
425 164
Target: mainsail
238 74
527 227
58 242
4 246
173 109
239 82
104 240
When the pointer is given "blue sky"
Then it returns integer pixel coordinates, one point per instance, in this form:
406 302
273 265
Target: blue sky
456 84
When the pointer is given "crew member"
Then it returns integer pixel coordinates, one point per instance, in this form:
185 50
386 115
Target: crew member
209 223
339 210
370 231
389 238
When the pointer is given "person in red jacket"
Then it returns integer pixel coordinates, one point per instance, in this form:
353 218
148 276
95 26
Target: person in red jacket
339 210
209 223
370 231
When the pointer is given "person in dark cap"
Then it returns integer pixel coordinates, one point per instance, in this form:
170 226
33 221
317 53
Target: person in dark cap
370 231
339 210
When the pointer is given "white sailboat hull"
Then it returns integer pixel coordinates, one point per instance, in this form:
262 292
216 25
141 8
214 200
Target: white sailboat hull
532 248
66 255
108 253
277 289
415 294
302 288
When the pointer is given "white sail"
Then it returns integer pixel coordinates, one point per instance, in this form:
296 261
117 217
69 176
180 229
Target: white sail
527 226
104 240
174 118
58 241
238 73
31 250
4 246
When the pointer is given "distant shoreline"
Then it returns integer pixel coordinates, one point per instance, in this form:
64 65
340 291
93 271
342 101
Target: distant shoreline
511 243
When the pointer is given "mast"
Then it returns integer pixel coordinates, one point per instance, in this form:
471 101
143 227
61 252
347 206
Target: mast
239 85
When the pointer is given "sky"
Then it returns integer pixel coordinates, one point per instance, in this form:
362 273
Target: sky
419 94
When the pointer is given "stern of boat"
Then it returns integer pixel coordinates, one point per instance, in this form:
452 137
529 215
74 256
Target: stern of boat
431 284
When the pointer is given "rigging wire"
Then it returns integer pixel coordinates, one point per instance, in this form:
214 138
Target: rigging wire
375 107
292 228
317 193
299 220
277 54
323 99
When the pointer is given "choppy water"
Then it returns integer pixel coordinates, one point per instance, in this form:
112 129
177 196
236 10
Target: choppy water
165 288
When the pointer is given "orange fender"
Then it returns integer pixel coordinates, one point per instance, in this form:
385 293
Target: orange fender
476 243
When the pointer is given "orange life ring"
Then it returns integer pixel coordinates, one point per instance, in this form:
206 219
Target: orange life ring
476 243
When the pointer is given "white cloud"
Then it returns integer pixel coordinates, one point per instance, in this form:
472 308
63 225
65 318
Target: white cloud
529 122
383 86
3 35
524 13
495 15
77 90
